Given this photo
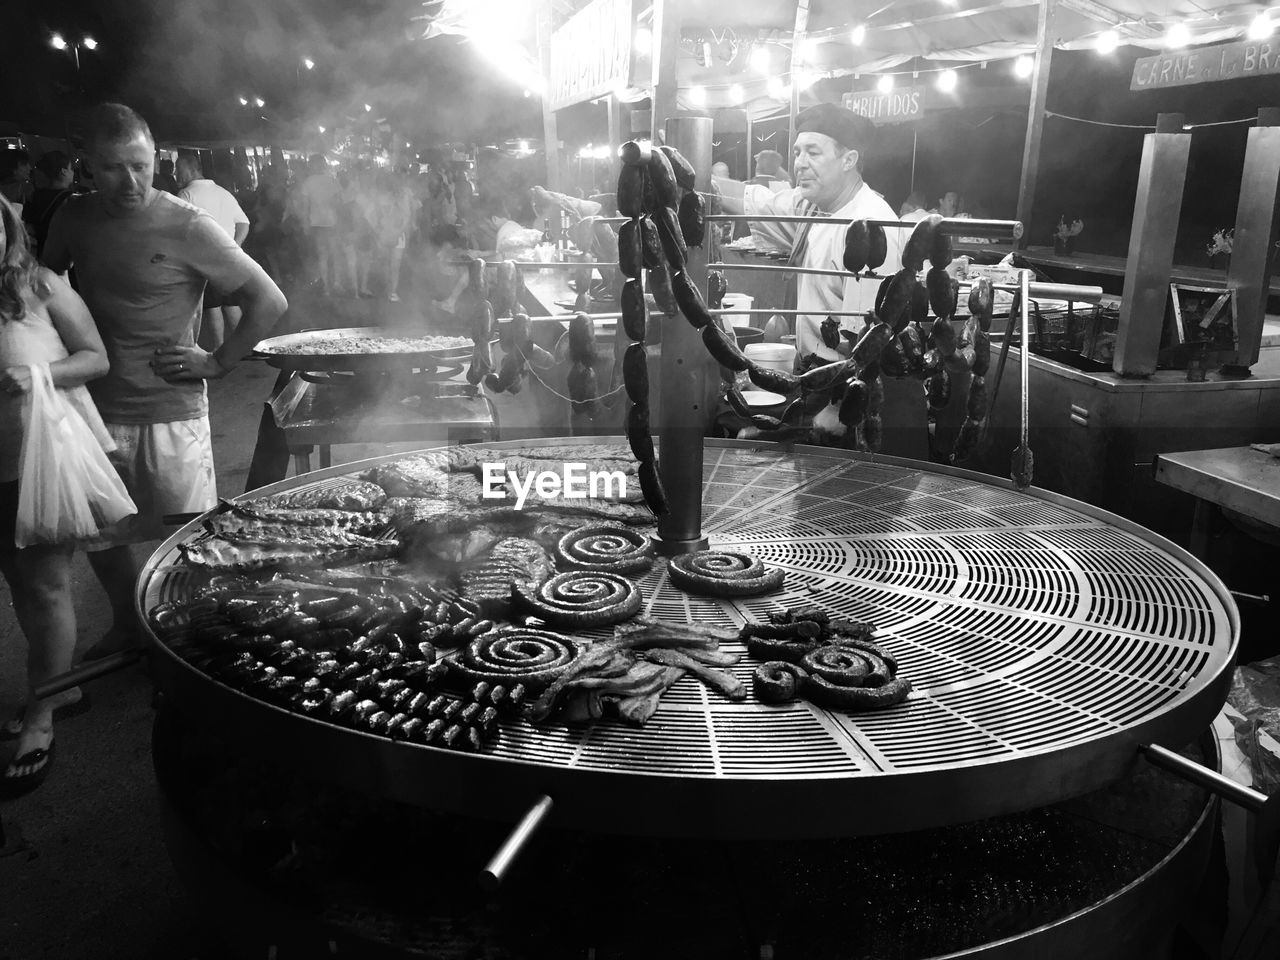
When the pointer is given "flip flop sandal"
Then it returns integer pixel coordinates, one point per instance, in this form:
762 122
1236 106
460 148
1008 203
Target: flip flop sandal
16 786
11 729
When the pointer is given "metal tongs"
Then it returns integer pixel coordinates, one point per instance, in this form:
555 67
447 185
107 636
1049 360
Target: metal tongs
1021 463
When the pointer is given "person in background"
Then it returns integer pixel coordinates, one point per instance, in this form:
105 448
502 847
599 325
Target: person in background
15 176
720 169
142 260
318 199
42 321
217 318
392 217
829 152
57 172
770 171
913 207
950 204
355 227
453 302
266 240
165 178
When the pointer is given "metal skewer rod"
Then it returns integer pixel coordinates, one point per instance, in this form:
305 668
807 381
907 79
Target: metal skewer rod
952 227
550 264
495 870
1039 291
790 312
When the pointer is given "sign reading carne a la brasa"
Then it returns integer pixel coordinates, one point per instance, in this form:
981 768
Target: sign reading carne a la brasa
1226 61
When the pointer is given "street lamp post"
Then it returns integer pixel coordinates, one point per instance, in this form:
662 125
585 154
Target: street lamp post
58 42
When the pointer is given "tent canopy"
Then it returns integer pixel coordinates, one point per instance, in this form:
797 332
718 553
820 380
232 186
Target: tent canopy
900 31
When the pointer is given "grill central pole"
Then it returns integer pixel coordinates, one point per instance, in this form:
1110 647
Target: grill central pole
686 409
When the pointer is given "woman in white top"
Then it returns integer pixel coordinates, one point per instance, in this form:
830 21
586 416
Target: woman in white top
42 321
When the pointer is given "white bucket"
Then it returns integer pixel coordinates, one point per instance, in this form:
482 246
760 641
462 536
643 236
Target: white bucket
776 356
738 301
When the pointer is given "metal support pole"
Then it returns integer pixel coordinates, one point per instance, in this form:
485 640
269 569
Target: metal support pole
685 411
1257 227
666 50
1045 34
1156 211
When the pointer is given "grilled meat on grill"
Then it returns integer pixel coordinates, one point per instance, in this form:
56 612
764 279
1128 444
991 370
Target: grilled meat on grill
221 555
513 561
350 495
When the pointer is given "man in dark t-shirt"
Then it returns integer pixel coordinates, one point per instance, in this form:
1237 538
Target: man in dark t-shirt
56 171
142 260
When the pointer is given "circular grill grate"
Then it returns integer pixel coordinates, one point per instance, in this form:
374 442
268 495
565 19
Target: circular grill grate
1029 625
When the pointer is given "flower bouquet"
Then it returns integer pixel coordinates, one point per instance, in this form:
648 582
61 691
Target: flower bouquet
1064 237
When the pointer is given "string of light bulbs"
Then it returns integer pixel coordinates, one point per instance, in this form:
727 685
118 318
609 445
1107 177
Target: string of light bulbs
1146 126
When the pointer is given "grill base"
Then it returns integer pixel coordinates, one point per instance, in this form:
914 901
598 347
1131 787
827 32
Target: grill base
1101 876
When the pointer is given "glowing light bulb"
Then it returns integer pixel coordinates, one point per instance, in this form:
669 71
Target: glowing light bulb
243 102
259 101
523 146
1023 66
308 63
947 81
367 108
858 34
736 94
527 92
1261 27
885 83
89 43
644 40
1107 41
57 42
698 96
1178 35
321 128
760 58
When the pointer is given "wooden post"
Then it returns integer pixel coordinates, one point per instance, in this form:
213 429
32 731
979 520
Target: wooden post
1035 119
1257 228
797 40
1156 211
666 50
550 135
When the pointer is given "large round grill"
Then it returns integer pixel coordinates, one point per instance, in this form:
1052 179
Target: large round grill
1046 641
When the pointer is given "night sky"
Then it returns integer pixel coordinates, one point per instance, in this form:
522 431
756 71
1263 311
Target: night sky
184 65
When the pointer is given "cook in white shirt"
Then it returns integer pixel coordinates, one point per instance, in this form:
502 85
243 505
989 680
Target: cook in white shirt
828 154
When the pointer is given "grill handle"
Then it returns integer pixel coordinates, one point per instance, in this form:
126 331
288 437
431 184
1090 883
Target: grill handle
495 870
1266 809
86 672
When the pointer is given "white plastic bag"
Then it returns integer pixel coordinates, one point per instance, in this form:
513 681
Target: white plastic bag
68 489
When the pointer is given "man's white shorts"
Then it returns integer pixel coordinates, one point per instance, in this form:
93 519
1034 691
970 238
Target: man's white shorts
167 468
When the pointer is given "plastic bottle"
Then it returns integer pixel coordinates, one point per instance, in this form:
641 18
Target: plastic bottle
776 329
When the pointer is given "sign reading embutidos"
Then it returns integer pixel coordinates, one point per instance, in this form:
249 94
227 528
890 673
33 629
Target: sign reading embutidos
896 107
591 53
1226 61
